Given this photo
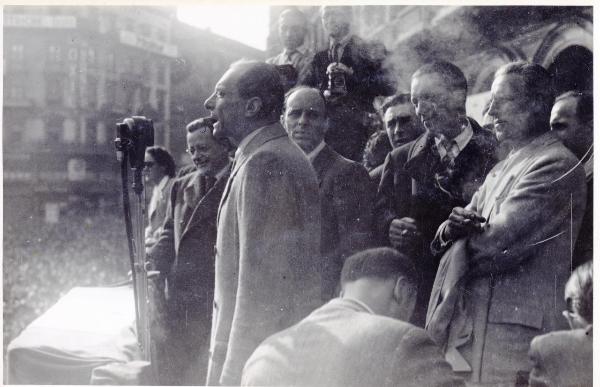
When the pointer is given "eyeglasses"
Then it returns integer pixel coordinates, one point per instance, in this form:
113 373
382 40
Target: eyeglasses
195 149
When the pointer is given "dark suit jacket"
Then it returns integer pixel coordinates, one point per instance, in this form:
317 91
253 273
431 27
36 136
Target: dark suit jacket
184 252
408 188
267 246
346 208
562 358
369 80
343 344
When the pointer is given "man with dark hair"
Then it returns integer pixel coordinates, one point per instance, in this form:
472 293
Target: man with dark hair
184 256
268 224
350 73
564 358
292 30
344 185
424 179
400 121
508 250
572 119
360 339
159 171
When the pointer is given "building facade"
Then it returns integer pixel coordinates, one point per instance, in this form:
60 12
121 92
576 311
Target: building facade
477 39
72 72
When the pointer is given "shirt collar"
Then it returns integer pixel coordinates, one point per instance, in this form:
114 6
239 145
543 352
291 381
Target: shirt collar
162 183
313 154
360 303
342 41
461 141
223 171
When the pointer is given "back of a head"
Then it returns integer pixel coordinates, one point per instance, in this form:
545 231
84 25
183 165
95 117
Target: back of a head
538 90
579 291
262 80
585 104
378 263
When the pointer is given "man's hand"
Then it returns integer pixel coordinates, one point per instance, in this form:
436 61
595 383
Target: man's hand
338 67
462 223
404 234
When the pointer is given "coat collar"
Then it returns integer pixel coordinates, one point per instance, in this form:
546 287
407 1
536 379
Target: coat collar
260 137
208 198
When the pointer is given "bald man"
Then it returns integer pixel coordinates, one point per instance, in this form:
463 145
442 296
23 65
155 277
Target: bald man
344 185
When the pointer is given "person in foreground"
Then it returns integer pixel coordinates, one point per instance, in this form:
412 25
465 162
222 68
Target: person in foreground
564 358
507 253
268 223
359 339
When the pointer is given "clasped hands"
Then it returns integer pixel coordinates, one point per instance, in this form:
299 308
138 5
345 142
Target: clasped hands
338 67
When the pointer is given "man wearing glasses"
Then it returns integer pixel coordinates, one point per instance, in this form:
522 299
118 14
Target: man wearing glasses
424 179
184 256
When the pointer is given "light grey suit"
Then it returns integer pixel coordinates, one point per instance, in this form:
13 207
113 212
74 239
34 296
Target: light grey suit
344 344
267 250
515 270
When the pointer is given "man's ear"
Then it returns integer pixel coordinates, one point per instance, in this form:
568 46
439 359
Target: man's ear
253 106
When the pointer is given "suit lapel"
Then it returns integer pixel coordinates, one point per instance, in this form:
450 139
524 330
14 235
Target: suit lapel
208 201
322 162
421 161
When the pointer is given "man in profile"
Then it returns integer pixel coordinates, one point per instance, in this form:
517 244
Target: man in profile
344 185
507 252
184 257
360 339
268 226
572 119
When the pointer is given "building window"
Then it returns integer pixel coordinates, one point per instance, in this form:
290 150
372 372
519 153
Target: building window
17 53
110 62
69 134
34 130
91 57
160 101
92 92
55 128
101 134
54 54
111 92
54 89
14 89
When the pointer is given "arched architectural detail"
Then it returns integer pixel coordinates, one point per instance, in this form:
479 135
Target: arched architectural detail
493 59
571 32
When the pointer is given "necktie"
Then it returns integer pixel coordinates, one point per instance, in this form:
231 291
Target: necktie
334 53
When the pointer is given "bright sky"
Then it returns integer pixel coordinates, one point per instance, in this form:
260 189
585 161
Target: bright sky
248 24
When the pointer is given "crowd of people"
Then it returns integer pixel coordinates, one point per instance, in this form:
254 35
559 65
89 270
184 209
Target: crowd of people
284 261
42 262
